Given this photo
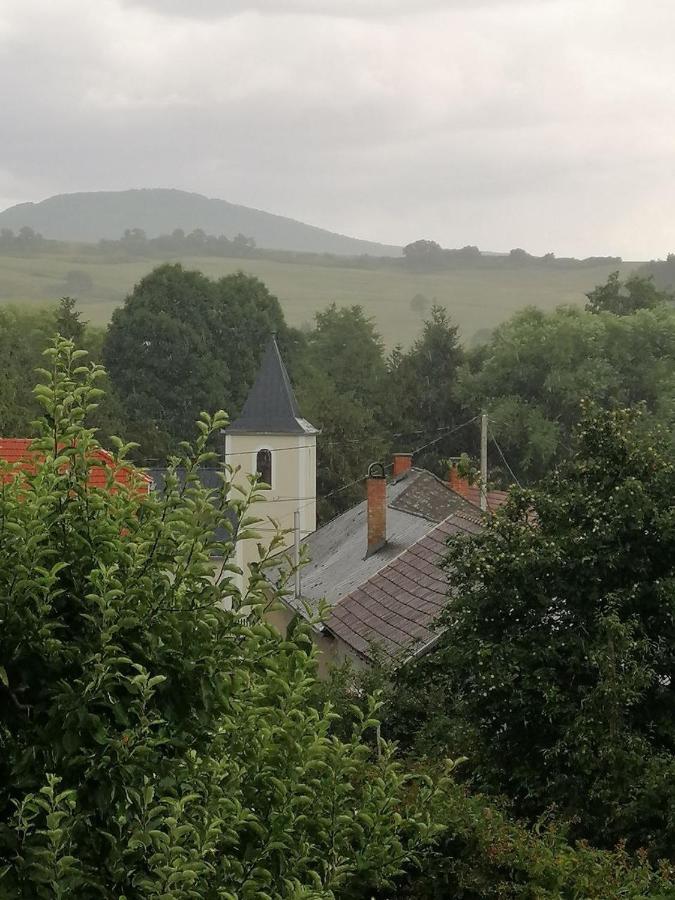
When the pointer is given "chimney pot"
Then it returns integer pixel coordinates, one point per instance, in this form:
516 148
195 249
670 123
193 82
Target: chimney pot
402 464
376 502
458 483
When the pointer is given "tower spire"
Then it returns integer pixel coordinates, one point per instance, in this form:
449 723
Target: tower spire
271 406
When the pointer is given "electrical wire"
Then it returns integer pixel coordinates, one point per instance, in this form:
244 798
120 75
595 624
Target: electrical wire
448 430
440 437
504 460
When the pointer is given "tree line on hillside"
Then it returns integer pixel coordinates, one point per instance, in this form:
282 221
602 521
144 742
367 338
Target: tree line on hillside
161 740
182 343
426 254
421 255
134 241
26 240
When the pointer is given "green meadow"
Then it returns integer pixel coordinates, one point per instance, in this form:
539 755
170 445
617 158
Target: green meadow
477 298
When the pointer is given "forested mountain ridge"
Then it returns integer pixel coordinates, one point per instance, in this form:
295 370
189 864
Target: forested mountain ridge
90 216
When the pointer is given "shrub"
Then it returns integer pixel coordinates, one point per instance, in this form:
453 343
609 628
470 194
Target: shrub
157 739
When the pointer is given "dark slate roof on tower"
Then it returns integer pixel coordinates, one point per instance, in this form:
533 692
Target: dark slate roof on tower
271 407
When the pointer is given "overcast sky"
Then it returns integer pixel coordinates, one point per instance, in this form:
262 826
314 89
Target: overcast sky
547 124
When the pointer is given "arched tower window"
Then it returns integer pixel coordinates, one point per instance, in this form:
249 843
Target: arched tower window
263 465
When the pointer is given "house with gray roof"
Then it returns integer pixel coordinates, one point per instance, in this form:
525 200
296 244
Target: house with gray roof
375 570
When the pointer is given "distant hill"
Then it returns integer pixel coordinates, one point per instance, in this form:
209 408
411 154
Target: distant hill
106 214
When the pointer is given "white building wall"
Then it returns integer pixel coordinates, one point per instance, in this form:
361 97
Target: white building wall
293 484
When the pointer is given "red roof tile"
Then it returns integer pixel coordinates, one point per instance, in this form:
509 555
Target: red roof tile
17 451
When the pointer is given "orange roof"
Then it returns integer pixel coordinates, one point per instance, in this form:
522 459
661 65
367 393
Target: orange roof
18 451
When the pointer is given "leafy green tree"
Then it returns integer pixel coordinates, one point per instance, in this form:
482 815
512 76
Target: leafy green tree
157 734
351 438
23 336
421 398
345 345
537 367
69 322
426 374
182 343
555 672
421 250
340 373
623 298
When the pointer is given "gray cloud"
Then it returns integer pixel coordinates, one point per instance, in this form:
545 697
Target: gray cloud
504 125
219 9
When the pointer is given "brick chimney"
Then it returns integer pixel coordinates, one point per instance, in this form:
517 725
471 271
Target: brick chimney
458 483
376 497
402 464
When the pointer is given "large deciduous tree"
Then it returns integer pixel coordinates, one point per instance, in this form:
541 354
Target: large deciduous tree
556 671
341 377
23 336
182 343
538 366
623 298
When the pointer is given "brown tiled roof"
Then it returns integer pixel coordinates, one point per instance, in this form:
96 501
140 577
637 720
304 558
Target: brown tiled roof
338 562
424 494
495 499
394 611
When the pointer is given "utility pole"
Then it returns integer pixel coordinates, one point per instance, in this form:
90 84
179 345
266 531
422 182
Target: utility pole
296 547
483 461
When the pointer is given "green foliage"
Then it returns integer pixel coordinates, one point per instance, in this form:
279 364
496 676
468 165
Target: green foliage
341 383
182 343
484 854
535 370
421 396
23 336
483 851
345 345
556 670
69 322
627 297
157 735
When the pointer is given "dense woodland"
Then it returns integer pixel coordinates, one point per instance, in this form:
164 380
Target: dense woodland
161 746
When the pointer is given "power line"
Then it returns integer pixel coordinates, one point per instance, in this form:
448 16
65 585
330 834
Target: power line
448 431
440 437
504 460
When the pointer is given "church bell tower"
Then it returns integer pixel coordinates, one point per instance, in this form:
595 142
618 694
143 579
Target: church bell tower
271 438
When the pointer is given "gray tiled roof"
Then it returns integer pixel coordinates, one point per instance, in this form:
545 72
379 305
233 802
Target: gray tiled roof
416 502
393 612
271 407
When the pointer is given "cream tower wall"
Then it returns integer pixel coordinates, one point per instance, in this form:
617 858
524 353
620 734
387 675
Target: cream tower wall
293 485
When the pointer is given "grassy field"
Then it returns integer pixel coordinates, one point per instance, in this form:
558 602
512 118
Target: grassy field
476 298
